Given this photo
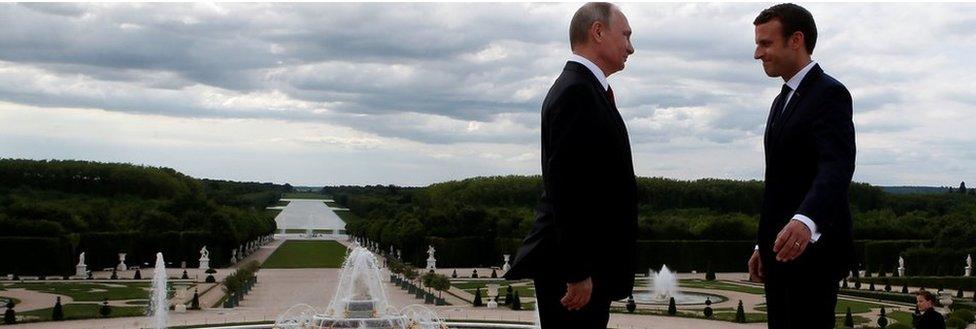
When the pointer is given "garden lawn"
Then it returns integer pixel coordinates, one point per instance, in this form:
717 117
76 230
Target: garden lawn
84 311
307 254
91 291
900 317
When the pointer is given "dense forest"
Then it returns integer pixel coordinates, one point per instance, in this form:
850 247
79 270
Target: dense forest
686 224
60 208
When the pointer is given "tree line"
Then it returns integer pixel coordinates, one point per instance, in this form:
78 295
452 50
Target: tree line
114 207
496 212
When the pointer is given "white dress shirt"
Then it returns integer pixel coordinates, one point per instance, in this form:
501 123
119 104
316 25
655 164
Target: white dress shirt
597 72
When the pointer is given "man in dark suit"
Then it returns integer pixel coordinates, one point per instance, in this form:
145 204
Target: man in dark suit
581 249
925 302
804 243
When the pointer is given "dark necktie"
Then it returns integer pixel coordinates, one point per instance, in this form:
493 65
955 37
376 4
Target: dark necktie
780 102
610 96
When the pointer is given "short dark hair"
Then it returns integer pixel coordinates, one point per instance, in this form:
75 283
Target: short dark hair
927 295
585 16
794 19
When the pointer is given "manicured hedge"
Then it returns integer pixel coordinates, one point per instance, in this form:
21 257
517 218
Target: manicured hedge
102 249
679 255
936 261
881 295
930 282
882 255
35 256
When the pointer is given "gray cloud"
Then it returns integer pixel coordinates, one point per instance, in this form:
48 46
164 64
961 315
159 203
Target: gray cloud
435 76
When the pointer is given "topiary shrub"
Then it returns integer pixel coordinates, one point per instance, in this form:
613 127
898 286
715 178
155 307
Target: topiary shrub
138 275
708 308
516 302
709 273
10 316
904 289
494 274
631 305
105 310
195 303
871 286
882 319
474 274
964 314
115 275
454 274
956 323
740 313
185 276
959 293
477 298
57 314
672 307
210 278
848 319
508 295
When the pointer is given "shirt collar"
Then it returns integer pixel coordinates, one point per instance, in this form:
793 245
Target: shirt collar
597 72
798 77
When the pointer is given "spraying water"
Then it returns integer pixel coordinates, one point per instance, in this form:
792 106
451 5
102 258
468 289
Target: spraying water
158 305
664 284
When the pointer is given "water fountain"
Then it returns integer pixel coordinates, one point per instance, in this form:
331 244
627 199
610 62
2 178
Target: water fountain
663 285
360 302
158 304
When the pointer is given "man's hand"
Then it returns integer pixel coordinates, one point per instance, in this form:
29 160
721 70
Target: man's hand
577 294
791 241
755 268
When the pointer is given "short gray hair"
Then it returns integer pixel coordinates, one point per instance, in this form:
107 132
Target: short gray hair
585 16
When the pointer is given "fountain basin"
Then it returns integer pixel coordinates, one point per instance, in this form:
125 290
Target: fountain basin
682 298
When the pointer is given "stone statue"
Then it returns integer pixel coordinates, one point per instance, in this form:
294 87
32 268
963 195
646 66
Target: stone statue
901 266
81 270
204 258
431 261
969 265
122 266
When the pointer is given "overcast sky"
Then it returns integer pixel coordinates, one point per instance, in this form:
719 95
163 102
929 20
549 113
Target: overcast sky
412 94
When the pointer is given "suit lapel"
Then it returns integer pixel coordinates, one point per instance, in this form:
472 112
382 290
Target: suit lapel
798 95
609 109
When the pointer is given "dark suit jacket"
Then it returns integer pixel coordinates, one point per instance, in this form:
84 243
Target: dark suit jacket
931 319
809 164
586 223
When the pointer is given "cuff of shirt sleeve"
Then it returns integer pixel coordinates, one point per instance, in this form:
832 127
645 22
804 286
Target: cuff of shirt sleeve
814 233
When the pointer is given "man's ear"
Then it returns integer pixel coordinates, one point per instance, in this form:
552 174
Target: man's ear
596 30
796 40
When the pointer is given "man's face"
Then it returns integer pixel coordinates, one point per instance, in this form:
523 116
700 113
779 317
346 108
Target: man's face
922 303
773 49
616 42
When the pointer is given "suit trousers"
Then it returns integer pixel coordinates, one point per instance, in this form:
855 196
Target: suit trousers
553 315
800 299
